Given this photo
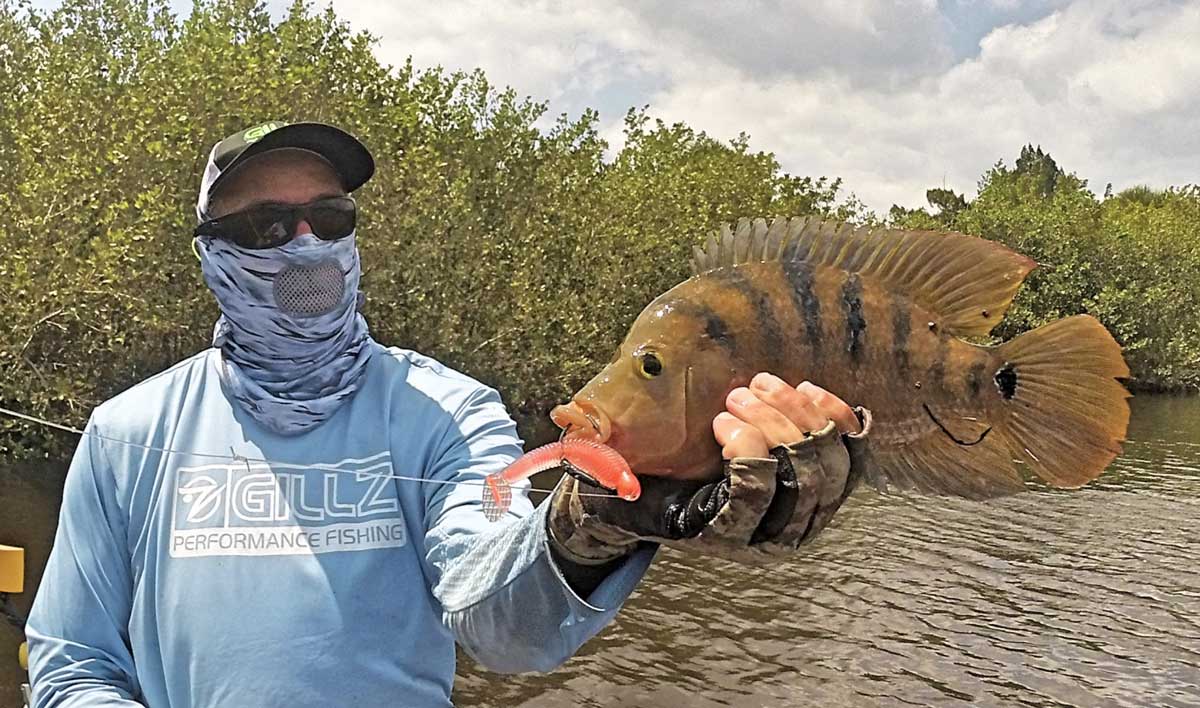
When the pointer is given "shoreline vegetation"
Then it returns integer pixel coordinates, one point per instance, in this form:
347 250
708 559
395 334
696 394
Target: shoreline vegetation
514 250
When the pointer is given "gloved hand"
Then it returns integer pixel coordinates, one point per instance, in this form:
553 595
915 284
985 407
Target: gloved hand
761 509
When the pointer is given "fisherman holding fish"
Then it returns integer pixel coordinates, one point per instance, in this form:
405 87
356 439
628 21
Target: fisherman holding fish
188 571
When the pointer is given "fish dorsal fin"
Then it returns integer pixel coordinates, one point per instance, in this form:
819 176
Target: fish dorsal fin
968 281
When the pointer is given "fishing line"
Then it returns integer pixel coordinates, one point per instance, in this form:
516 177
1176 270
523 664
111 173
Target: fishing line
236 458
950 434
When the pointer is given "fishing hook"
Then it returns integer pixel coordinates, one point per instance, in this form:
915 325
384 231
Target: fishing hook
570 468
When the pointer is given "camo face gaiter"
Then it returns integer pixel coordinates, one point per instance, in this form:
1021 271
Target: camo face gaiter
293 345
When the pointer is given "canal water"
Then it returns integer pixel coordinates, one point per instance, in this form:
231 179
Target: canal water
1085 598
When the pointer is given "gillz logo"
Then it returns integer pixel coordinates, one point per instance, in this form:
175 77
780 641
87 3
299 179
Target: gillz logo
256 133
257 509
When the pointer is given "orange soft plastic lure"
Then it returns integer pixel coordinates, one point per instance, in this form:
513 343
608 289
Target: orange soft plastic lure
595 462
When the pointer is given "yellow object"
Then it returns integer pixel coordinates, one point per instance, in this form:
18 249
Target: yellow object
12 569
23 655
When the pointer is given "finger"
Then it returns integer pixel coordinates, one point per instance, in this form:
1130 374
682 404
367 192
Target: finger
831 407
776 427
796 404
738 438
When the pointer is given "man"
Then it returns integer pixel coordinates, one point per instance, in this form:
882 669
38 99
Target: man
278 520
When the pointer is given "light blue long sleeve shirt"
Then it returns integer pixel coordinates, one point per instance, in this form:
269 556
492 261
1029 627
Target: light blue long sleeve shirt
184 581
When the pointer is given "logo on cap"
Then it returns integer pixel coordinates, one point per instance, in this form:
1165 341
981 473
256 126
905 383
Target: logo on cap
257 132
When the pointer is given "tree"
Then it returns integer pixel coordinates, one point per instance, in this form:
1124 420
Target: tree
1038 171
110 107
1132 260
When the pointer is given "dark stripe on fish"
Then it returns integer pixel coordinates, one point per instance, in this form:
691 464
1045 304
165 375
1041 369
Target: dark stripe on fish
901 328
764 313
856 323
715 327
937 373
975 378
800 277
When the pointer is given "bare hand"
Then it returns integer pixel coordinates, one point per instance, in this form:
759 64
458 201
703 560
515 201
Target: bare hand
769 413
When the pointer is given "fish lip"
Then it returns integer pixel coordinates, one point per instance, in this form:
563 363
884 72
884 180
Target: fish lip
582 421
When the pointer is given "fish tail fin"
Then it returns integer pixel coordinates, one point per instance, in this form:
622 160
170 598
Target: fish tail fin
1061 409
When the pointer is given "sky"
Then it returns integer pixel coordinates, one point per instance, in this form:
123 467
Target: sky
893 97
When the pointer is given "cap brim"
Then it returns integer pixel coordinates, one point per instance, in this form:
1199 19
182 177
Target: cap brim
349 157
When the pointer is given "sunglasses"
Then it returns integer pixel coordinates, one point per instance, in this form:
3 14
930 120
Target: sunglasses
271 225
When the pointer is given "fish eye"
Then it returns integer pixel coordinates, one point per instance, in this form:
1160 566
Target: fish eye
649 365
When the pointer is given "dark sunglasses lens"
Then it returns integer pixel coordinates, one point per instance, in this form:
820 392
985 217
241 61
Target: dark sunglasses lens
265 226
332 219
271 225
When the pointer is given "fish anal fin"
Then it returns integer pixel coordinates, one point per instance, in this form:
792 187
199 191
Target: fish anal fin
935 463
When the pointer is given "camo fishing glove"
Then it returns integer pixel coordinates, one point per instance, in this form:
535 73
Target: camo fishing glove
761 509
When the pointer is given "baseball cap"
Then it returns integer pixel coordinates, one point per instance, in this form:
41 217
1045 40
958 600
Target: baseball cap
349 157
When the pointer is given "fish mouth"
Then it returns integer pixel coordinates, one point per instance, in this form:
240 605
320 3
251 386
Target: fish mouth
582 420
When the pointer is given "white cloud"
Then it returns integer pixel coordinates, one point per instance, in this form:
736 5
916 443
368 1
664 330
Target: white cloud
544 49
768 39
872 91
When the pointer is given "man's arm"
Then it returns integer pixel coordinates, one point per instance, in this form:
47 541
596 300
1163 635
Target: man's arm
78 639
503 594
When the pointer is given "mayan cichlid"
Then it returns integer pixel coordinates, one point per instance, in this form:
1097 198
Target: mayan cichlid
876 317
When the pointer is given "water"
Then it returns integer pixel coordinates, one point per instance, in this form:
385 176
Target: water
1087 598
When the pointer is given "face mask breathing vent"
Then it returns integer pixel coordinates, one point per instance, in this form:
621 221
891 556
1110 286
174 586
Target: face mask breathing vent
310 290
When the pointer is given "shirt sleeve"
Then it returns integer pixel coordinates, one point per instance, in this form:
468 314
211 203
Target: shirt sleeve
502 594
79 651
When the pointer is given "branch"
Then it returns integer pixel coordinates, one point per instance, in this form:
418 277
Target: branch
33 330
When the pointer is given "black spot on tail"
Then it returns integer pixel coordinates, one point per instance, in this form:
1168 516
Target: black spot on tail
856 323
1006 381
800 277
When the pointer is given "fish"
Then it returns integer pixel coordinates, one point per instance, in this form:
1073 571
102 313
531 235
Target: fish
883 319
